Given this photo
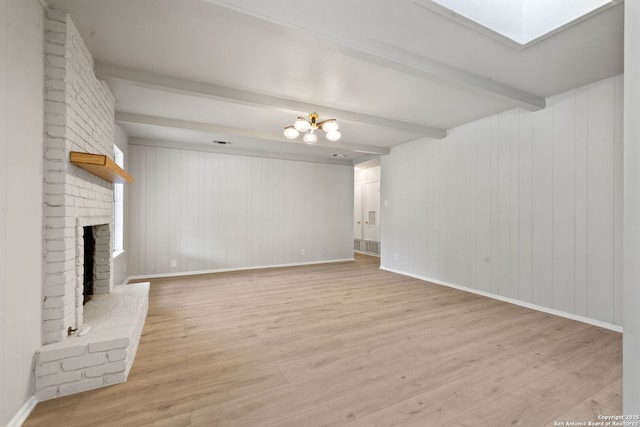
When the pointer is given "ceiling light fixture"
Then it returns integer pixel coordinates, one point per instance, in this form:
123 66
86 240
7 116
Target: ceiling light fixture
330 126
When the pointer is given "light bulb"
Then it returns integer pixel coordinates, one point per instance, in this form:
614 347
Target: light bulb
330 125
310 138
333 135
302 125
291 132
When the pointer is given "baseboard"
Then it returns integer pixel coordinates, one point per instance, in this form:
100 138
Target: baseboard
23 413
225 270
547 310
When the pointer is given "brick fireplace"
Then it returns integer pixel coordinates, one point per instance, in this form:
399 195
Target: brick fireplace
79 111
92 345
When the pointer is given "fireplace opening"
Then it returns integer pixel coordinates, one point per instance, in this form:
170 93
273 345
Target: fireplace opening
89 263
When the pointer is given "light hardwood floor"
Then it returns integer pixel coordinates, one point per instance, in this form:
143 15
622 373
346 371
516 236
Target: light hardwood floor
347 344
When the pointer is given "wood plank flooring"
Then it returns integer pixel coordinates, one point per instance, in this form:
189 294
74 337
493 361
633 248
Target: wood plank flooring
347 344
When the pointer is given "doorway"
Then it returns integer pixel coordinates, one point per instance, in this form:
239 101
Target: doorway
366 208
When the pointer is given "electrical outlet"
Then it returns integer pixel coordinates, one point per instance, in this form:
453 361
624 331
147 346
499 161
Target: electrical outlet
303 252
395 257
174 263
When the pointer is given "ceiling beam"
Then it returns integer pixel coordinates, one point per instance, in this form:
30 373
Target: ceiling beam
210 90
230 149
384 54
237 134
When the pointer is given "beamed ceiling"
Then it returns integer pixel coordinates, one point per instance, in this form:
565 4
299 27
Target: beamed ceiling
188 72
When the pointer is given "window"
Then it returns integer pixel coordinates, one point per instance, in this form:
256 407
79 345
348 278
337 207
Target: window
521 21
118 205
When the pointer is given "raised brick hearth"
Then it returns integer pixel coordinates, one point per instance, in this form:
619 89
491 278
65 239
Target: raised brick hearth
113 323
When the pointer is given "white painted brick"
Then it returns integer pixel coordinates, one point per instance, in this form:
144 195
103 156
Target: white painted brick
54 106
106 369
59 200
101 269
84 361
54 189
61 233
116 355
55 37
55 119
46 355
66 222
54 73
55 211
56 165
80 386
57 379
52 25
50 337
102 276
49 368
57 256
55 153
55 279
56 177
55 131
55 245
57 143
53 302
56 15
53 313
53 291
107 345
118 378
54 49
102 247
55 60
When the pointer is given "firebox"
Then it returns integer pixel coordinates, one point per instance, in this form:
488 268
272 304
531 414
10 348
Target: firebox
89 264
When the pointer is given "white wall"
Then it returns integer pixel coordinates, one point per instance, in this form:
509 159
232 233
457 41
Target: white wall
21 232
520 205
211 211
631 338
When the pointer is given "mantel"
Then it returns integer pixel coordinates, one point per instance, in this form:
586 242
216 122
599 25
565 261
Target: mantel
102 166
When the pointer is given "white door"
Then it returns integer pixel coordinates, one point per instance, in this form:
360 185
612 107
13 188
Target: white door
372 211
357 211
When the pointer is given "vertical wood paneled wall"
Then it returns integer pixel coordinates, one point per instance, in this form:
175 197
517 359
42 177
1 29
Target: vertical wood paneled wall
522 205
210 211
631 214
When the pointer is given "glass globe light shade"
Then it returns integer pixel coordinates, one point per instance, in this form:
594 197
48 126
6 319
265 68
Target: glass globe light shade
291 132
333 135
330 126
302 125
310 138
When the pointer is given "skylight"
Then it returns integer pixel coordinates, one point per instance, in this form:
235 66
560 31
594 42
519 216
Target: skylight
521 21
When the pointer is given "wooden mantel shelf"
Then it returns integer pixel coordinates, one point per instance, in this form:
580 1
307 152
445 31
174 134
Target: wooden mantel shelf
102 166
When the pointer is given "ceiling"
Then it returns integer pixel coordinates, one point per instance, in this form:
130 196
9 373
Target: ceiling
186 73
